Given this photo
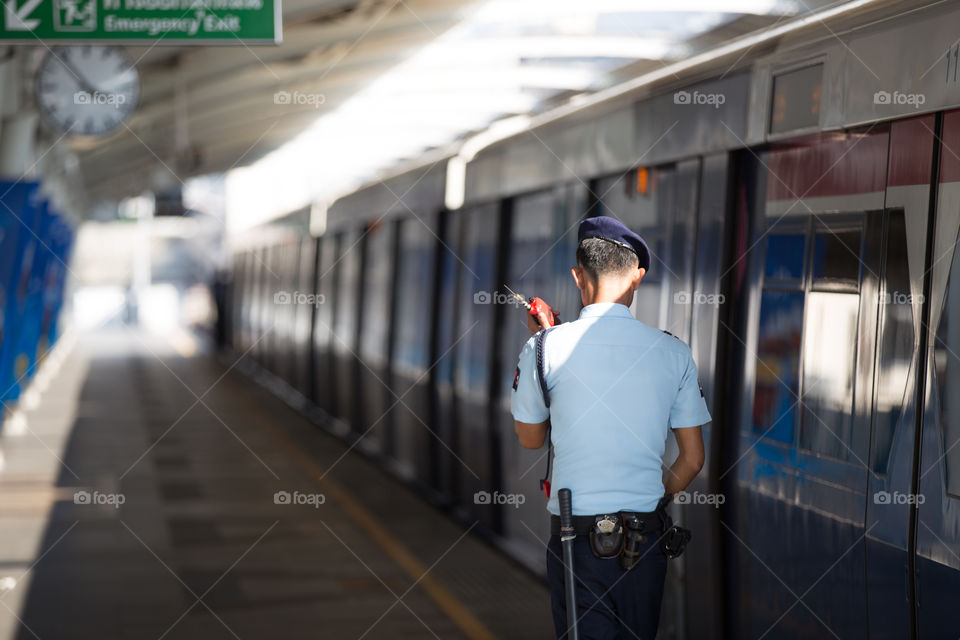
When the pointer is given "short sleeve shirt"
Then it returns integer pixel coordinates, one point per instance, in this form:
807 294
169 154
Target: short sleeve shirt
616 385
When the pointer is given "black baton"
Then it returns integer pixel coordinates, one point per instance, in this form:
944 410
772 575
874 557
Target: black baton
567 536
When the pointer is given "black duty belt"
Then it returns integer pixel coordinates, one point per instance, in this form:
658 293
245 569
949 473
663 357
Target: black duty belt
583 524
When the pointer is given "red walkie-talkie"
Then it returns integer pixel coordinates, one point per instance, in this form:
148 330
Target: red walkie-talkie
535 306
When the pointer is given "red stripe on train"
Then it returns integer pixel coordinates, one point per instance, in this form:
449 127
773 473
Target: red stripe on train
837 164
950 150
828 165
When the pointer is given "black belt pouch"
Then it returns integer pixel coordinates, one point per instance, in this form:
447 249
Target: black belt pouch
606 536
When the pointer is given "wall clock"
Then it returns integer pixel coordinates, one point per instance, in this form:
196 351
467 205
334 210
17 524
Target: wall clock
87 90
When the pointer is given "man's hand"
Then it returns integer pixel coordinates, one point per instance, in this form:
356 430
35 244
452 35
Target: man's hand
689 460
538 322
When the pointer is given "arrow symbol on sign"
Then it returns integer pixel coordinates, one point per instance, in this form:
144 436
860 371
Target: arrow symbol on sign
16 18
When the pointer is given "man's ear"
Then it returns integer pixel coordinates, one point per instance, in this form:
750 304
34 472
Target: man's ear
638 277
577 274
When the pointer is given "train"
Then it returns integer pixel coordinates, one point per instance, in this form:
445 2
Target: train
36 242
799 189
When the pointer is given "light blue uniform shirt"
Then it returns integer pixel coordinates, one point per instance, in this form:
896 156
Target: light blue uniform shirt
616 386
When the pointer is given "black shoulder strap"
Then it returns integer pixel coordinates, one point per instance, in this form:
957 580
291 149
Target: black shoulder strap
541 339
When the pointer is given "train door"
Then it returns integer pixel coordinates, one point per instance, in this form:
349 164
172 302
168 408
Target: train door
541 249
476 456
259 325
444 340
303 321
285 301
343 339
702 566
324 391
937 569
273 285
374 396
242 279
661 205
794 476
252 306
680 186
416 440
900 276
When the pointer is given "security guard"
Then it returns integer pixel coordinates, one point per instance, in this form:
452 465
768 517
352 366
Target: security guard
611 386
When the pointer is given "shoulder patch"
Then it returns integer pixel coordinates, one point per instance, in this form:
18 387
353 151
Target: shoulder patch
516 378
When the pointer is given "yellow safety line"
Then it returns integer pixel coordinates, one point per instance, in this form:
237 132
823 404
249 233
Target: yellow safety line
448 603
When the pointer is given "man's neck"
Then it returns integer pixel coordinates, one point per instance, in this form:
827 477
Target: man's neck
609 296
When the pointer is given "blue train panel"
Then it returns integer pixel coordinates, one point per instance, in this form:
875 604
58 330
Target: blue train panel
18 212
30 295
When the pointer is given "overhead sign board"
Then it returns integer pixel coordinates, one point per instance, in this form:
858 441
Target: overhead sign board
138 21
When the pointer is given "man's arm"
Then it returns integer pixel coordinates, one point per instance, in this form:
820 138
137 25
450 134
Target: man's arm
531 436
689 461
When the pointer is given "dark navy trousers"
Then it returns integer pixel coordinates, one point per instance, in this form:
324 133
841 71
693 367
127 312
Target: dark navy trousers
611 603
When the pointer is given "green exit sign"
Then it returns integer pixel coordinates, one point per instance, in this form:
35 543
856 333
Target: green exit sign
139 21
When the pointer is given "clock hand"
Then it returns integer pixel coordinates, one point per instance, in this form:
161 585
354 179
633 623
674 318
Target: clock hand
84 83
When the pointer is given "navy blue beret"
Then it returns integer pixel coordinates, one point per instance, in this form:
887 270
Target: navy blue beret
612 230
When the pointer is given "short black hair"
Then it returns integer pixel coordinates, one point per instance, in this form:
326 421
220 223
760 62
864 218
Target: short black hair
599 257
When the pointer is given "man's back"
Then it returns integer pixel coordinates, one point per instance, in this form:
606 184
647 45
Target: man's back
615 386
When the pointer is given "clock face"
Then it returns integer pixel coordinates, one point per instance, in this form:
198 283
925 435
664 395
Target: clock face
88 90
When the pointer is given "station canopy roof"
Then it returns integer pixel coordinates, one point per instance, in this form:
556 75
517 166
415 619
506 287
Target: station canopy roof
359 85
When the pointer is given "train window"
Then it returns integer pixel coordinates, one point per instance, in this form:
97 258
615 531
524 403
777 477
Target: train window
947 364
449 282
830 339
796 99
325 374
478 283
785 256
377 288
896 343
343 337
414 282
347 288
836 254
778 359
829 354
806 350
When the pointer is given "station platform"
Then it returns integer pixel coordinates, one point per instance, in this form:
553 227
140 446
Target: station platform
154 493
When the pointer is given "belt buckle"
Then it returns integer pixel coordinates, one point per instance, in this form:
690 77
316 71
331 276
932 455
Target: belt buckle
606 524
